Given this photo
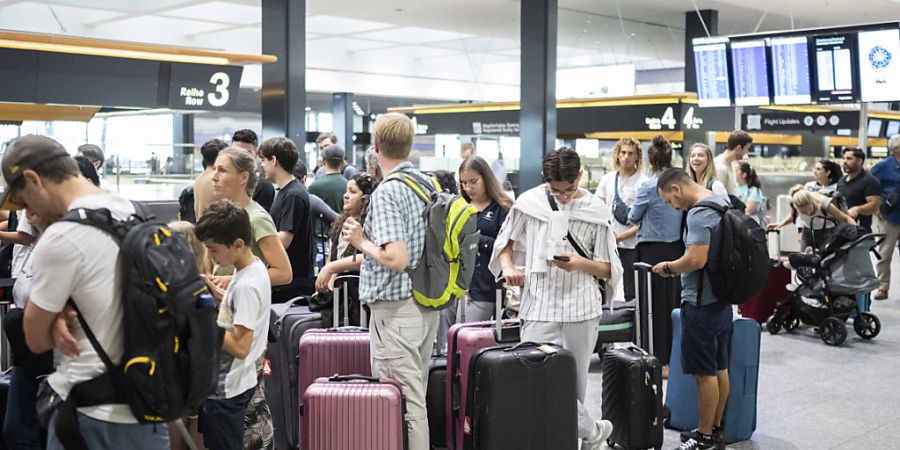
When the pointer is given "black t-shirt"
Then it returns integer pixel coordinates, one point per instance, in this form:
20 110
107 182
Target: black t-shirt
855 192
291 212
484 285
264 194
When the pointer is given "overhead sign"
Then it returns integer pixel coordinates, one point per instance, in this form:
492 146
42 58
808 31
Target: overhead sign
206 87
879 65
791 121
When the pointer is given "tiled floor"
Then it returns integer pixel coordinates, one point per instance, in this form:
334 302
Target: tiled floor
813 396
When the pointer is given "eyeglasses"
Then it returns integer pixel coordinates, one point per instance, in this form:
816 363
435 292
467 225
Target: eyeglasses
473 183
568 193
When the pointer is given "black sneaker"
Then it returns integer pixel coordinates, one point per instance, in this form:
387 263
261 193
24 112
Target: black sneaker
698 441
718 435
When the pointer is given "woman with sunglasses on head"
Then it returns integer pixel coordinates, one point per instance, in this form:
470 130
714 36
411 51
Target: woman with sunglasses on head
343 257
479 186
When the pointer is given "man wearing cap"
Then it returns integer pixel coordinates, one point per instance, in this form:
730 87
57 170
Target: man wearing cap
77 262
332 185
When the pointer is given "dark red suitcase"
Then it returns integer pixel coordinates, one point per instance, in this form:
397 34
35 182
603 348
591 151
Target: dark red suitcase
329 352
464 340
761 307
354 413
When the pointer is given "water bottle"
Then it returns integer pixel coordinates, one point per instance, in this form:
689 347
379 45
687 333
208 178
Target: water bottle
206 301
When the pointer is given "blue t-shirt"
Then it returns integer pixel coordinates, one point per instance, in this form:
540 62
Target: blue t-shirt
887 171
703 228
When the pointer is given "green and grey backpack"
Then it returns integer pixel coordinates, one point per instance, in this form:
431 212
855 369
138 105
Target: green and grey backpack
451 244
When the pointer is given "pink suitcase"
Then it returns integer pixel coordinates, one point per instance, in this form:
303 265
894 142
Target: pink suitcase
329 352
464 340
354 413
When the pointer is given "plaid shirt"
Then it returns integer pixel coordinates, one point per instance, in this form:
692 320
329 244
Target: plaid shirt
395 214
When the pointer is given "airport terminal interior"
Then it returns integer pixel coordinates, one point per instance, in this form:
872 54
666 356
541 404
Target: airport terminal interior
776 94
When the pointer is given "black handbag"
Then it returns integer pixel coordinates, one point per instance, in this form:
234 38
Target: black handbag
889 202
620 209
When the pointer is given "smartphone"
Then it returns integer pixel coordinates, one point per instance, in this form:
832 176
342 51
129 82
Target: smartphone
562 258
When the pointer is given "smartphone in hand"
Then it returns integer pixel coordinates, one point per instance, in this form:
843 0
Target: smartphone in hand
562 258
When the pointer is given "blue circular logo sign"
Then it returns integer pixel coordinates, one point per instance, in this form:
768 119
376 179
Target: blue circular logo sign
879 57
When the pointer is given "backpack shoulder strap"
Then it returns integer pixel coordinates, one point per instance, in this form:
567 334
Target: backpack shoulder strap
721 209
420 187
97 218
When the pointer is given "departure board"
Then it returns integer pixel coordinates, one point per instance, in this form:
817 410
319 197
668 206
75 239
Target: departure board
879 65
750 73
893 127
835 71
711 64
790 70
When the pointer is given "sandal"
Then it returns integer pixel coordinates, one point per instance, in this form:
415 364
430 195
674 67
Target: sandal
882 294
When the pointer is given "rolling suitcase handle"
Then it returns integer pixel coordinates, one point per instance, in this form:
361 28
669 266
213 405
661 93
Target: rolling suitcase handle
498 317
777 243
638 268
336 325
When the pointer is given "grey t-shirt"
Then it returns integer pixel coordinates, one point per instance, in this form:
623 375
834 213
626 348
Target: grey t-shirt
703 228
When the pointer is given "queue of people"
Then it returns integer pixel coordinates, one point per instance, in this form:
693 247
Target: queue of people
562 247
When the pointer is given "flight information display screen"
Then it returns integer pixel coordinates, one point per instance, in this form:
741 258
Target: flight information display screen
835 68
893 127
879 65
790 70
750 72
711 64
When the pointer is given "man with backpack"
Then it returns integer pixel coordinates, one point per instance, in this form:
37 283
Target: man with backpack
77 262
706 321
402 331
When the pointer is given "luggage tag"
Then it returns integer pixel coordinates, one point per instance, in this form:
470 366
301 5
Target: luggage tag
548 350
267 368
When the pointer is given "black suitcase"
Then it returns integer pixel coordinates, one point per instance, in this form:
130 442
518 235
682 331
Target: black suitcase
522 398
288 322
436 402
616 325
632 398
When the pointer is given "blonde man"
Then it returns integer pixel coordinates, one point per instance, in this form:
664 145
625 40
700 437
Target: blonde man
402 333
618 190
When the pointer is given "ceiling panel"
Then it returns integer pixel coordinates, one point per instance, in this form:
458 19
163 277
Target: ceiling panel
345 44
132 6
219 11
156 25
478 44
333 25
413 35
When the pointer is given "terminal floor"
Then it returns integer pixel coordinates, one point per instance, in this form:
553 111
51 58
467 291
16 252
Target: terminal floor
813 396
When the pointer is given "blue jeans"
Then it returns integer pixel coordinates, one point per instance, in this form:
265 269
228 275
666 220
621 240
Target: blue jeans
99 434
20 428
222 421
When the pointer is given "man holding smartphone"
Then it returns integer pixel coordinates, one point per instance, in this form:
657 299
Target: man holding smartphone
559 233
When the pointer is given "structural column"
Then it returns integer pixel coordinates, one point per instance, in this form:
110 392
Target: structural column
537 117
183 140
284 82
695 26
342 122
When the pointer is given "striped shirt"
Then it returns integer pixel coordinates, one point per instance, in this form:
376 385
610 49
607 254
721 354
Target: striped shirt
557 295
395 214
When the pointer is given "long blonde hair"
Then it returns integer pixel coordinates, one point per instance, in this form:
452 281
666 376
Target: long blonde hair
186 229
801 197
710 172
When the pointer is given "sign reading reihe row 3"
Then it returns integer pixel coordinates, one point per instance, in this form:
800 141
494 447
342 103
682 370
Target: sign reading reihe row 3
206 87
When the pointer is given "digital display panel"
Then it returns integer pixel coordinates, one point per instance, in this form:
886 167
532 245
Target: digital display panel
835 71
879 65
874 128
711 64
750 72
790 70
893 127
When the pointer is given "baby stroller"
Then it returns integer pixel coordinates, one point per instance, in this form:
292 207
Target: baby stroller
824 294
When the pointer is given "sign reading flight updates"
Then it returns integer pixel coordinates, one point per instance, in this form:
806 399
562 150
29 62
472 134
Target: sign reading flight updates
206 87
879 65
790 70
750 73
711 64
835 68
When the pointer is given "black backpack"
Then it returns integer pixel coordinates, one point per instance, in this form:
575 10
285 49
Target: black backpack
743 266
171 341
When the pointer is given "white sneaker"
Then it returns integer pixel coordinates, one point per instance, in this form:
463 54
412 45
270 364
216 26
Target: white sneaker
604 430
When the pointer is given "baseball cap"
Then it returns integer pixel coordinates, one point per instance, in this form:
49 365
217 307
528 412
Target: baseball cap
333 152
23 153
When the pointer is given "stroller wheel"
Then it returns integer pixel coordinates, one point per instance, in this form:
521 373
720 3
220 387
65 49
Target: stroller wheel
867 325
790 323
833 331
773 325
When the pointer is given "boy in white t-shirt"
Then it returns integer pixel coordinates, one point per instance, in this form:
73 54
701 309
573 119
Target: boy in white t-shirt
224 228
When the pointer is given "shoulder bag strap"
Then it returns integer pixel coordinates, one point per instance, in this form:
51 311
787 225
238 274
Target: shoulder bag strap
578 248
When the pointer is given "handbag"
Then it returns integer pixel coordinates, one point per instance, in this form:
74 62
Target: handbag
620 209
889 202
47 402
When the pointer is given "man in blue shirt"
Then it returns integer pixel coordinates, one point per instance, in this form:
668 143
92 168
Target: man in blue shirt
706 323
887 220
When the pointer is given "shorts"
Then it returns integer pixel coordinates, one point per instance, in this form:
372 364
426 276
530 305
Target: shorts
222 421
705 338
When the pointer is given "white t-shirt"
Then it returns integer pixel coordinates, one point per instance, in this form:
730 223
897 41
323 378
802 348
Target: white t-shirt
628 188
725 173
248 298
80 261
